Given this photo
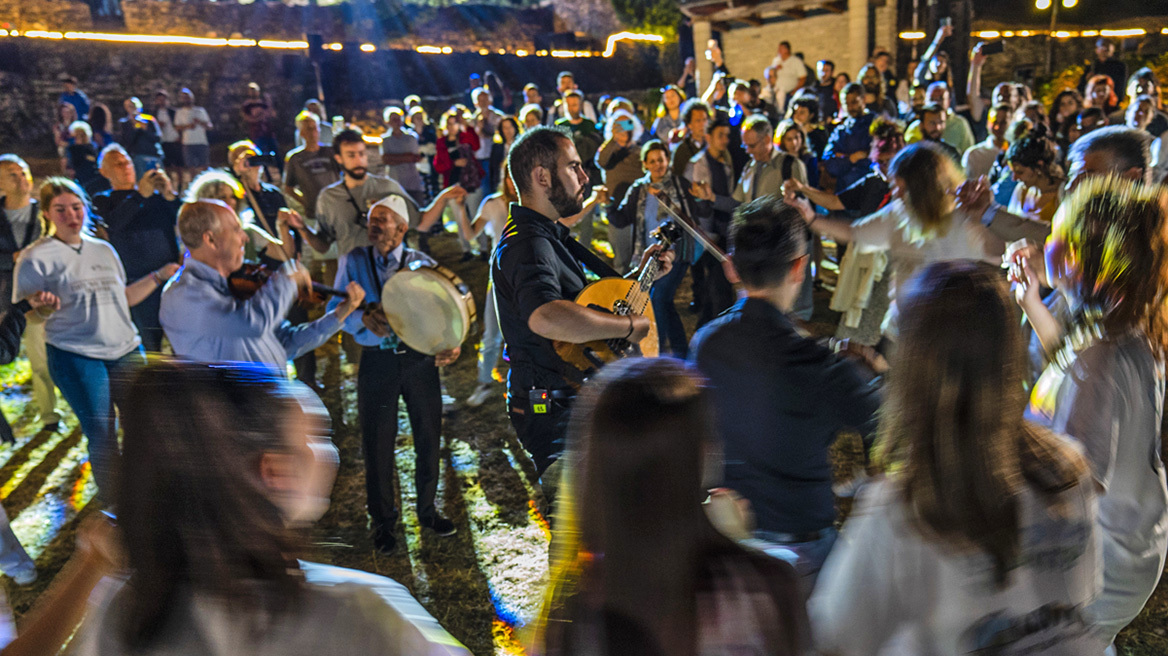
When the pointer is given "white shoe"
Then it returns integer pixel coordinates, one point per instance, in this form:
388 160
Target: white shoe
479 396
24 577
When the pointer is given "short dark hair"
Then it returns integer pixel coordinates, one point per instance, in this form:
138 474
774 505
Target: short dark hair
1096 113
881 53
539 146
1132 148
827 62
347 136
806 101
650 146
766 236
853 87
931 108
693 105
718 120
787 44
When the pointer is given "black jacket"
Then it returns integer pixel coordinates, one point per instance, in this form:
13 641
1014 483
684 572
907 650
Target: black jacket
627 213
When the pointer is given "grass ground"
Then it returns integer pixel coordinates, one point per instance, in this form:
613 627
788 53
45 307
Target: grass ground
483 584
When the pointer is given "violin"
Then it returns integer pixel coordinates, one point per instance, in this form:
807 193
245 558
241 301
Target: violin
251 277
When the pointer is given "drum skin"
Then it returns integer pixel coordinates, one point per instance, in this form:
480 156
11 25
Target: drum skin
428 307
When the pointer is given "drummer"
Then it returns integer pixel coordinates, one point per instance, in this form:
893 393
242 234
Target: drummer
390 369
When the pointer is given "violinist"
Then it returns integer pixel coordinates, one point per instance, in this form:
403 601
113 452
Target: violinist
205 322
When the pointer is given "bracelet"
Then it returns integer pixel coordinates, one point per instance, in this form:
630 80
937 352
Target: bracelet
630 328
154 276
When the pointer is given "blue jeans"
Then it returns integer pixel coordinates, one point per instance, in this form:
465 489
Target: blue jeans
669 326
91 386
810 555
492 344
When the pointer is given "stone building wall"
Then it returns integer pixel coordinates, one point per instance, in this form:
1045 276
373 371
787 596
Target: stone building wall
355 83
56 15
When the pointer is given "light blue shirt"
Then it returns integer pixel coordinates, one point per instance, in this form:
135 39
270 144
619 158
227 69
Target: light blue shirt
205 323
365 266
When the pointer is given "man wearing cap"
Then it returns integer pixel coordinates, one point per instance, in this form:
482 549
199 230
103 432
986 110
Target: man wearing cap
389 369
205 322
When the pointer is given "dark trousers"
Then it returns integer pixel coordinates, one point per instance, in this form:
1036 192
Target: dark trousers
145 317
383 377
305 364
543 435
717 293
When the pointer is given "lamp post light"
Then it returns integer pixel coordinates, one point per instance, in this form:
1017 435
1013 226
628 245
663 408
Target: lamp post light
1043 5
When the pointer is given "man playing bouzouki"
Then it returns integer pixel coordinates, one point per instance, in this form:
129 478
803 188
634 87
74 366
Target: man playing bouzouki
537 271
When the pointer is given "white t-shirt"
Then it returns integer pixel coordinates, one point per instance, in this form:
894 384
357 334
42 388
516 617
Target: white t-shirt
886 589
979 159
196 135
1110 400
94 319
169 134
787 73
342 611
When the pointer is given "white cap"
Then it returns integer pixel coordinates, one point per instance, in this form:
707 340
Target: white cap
397 204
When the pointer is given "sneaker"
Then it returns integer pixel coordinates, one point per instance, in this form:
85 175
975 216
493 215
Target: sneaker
384 543
440 525
24 577
479 396
51 427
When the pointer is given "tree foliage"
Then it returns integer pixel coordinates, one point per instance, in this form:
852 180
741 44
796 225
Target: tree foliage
656 16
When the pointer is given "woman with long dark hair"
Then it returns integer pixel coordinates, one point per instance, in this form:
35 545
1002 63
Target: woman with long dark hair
981 535
224 468
1034 164
639 568
1105 338
101 120
1063 112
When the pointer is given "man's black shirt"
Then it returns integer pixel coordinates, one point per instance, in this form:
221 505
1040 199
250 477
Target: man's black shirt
141 230
780 399
536 262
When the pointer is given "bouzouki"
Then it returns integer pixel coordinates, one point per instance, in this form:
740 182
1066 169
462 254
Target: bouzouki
622 297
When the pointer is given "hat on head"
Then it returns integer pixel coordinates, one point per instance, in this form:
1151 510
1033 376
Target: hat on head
397 205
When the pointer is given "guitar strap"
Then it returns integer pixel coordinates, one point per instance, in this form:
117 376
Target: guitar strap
589 259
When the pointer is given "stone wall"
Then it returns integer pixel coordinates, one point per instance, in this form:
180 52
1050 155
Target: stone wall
355 83
45 15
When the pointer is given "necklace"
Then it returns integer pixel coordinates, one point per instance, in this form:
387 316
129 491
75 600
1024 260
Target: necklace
75 249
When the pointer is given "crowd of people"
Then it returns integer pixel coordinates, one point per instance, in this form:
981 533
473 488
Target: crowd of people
1002 280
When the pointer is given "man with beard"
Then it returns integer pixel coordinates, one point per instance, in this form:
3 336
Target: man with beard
342 206
537 271
931 127
846 154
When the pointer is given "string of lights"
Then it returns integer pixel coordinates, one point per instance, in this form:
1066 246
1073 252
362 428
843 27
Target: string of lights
1058 34
166 39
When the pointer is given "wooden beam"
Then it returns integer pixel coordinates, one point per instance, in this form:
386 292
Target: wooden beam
753 20
720 26
837 7
796 13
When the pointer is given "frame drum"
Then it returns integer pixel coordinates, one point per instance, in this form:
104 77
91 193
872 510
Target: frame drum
429 307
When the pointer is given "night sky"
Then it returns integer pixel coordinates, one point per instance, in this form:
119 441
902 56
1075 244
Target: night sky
1085 13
